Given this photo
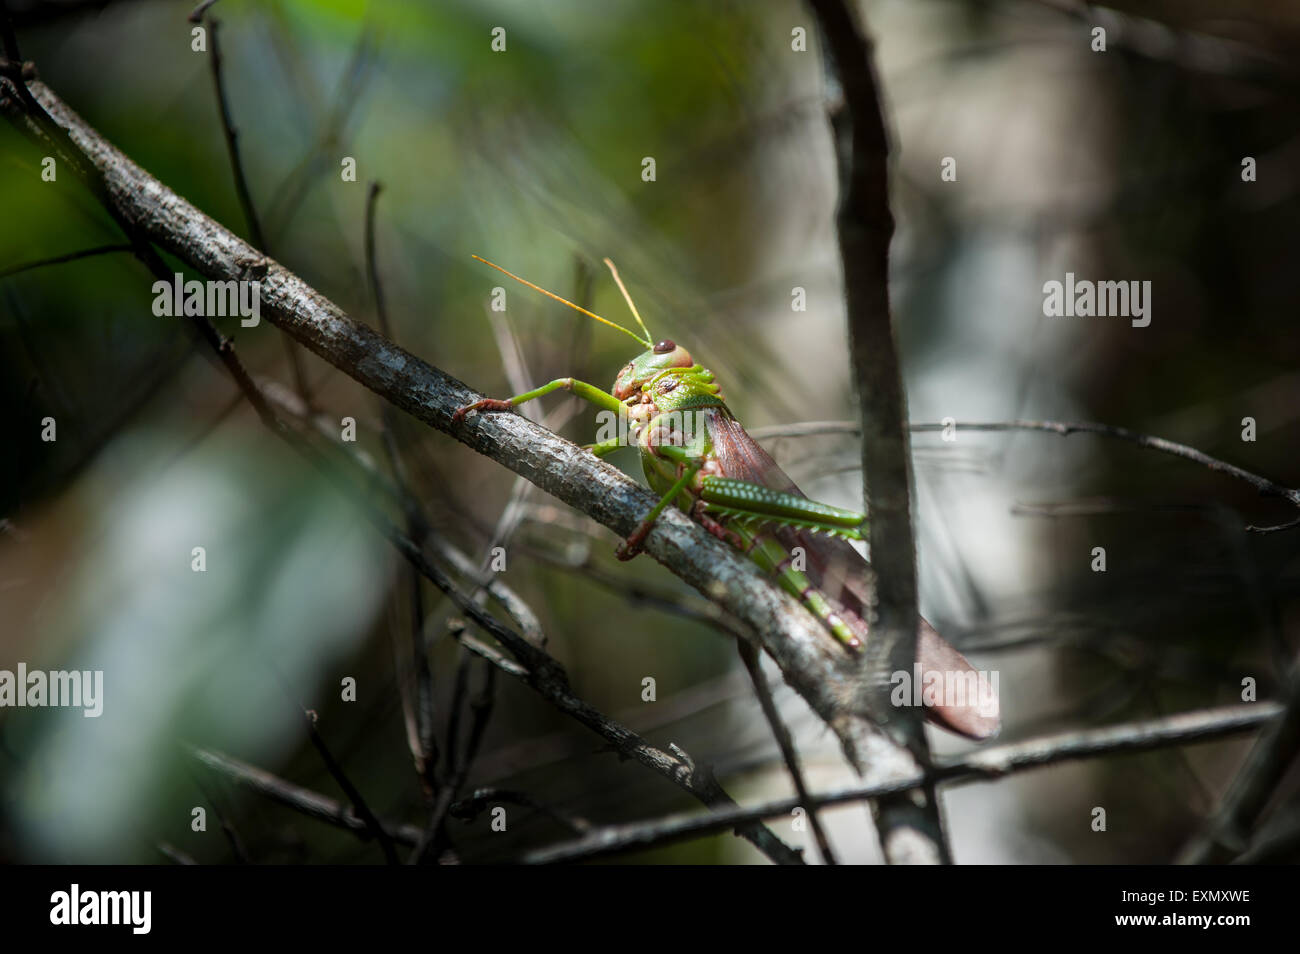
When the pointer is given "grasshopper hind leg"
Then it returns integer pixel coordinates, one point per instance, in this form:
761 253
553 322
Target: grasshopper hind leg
764 549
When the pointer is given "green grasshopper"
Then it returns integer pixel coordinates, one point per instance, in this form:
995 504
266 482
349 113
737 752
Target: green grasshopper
696 455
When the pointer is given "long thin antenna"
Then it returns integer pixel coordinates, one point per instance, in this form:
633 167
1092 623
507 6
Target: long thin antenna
565 301
628 298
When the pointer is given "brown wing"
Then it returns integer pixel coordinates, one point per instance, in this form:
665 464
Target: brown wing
838 570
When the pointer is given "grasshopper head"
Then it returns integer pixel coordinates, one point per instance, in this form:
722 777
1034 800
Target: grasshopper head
666 354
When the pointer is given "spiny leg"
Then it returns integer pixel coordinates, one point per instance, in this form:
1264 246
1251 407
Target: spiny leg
754 503
764 549
700 511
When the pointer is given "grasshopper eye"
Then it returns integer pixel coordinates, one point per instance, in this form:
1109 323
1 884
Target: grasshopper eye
665 346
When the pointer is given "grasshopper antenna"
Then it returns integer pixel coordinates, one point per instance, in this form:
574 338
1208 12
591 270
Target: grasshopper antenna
628 298
565 301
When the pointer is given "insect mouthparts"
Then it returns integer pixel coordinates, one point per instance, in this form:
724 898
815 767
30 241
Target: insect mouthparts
665 346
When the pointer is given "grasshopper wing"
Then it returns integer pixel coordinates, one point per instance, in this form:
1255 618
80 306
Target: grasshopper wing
839 571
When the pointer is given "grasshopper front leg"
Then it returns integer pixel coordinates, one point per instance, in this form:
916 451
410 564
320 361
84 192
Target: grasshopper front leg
606 401
632 546
588 392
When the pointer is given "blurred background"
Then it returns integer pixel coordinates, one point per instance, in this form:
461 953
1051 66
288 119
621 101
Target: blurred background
1123 165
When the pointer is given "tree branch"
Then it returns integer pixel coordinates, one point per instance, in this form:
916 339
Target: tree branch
1203 725
910 828
300 799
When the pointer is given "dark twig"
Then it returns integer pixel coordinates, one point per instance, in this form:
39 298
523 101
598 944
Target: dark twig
1263 485
289 193
232 143
299 799
68 257
237 847
435 835
676 767
1065 428
910 828
196 15
372 274
467 809
424 745
350 790
1227 832
1189 727
244 194
789 753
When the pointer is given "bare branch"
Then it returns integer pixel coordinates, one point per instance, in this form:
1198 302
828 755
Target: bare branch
300 799
790 755
1203 725
67 257
910 828
359 804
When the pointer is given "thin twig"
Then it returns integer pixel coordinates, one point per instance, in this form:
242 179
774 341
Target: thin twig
789 753
244 194
196 15
1227 832
423 744
359 804
1189 727
68 257
302 800
677 767
435 836
289 193
467 809
1265 486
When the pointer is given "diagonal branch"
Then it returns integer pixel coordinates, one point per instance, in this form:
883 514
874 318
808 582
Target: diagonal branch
816 666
